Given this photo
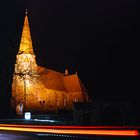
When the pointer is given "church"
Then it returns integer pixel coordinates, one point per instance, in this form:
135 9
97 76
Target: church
39 89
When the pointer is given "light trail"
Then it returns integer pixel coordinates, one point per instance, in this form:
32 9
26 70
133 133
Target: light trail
71 130
72 127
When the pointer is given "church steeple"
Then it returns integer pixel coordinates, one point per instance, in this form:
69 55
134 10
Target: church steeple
26 41
25 61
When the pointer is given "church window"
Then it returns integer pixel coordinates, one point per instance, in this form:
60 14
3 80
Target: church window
75 99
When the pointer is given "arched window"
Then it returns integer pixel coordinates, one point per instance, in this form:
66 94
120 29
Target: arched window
65 102
75 99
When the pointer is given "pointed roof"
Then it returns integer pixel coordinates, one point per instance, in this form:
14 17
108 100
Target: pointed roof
73 83
59 81
26 41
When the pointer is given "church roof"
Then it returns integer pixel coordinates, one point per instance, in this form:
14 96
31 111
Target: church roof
52 80
73 84
26 41
59 81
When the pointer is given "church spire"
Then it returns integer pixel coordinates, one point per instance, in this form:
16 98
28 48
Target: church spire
26 41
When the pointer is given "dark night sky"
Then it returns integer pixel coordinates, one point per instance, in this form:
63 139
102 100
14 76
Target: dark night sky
100 39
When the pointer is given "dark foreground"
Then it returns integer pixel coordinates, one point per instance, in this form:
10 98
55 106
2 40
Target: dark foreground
13 135
50 127
43 132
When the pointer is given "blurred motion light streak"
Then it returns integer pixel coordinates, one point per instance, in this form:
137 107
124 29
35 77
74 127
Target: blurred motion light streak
71 131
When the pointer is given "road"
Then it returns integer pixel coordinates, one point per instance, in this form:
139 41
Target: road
28 132
50 128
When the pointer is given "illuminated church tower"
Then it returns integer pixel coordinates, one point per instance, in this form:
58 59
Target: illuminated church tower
39 89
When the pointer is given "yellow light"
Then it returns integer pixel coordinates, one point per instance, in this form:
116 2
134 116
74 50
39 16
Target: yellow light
52 129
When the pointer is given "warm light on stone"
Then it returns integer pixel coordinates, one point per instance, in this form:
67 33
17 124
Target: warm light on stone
41 89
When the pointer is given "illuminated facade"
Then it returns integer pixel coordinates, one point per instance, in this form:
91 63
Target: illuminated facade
39 89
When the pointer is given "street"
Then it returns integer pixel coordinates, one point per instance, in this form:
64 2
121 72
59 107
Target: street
52 128
26 132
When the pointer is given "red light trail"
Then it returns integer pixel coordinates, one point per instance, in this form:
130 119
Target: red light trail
80 130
